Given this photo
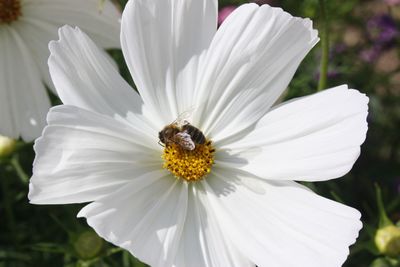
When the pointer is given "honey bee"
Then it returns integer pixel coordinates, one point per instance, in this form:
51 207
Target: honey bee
185 135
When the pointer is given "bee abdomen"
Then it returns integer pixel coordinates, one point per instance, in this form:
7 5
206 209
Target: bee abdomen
196 135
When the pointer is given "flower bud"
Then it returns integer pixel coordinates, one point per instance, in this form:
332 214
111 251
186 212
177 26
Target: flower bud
380 262
88 245
7 146
387 240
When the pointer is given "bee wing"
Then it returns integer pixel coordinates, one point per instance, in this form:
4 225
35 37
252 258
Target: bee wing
184 117
184 140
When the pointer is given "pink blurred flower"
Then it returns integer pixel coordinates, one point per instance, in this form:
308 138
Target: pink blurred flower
392 2
224 13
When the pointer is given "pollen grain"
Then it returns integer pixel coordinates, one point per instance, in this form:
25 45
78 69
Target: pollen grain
190 165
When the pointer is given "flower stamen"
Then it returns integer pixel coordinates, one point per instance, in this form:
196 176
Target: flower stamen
191 165
10 10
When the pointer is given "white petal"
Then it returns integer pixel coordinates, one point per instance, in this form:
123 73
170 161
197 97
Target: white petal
83 156
101 22
8 125
145 217
159 38
288 225
38 34
312 138
250 62
24 102
163 223
84 76
203 242
42 18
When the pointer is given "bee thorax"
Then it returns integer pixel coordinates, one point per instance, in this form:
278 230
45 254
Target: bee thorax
184 140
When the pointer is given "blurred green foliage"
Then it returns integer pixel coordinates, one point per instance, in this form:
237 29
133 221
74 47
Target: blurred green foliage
32 235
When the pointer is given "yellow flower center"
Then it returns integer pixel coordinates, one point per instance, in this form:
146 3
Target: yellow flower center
191 165
10 10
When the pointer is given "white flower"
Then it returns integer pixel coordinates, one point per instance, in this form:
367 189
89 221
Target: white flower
26 27
102 146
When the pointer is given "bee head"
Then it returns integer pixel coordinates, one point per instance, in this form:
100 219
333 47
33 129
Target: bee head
167 133
161 137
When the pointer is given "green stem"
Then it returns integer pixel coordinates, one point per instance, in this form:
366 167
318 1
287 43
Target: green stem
7 206
323 74
19 170
383 218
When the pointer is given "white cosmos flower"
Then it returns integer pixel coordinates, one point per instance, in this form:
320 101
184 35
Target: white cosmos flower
26 27
102 147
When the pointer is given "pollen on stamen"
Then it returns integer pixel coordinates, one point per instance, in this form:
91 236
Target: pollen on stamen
10 10
190 165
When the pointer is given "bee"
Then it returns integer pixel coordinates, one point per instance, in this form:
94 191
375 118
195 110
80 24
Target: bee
185 135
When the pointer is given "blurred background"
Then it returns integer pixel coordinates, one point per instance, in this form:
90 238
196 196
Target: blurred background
363 53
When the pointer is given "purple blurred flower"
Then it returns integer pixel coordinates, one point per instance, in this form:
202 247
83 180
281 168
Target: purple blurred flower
332 74
382 29
224 13
339 48
371 54
398 184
